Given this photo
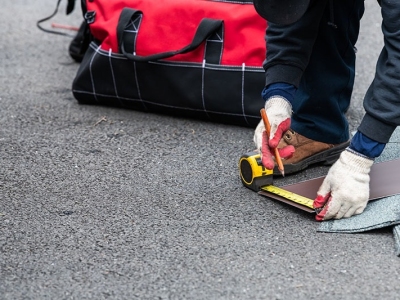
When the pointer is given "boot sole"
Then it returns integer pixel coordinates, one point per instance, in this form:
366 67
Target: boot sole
327 157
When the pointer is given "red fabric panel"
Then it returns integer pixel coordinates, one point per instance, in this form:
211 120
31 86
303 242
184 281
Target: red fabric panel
171 24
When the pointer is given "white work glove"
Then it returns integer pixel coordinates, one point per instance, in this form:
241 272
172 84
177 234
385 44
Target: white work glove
345 190
279 112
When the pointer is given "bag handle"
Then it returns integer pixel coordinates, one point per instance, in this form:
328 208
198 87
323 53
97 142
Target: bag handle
203 31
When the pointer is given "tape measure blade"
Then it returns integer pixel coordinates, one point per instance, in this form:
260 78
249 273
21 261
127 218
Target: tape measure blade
288 197
282 199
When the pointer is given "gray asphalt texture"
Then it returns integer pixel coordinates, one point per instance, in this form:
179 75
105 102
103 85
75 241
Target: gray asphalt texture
104 203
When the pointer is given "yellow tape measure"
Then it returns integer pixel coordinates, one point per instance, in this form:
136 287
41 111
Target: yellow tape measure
307 202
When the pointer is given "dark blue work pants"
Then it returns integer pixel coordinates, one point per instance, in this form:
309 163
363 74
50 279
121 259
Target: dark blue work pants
317 54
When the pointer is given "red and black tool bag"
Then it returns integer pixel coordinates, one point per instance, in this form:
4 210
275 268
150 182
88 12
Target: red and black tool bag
191 58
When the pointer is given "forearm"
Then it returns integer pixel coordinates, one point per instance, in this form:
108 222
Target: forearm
362 144
382 100
281 89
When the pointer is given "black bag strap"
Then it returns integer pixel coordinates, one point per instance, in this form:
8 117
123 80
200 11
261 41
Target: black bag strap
203 31
70 8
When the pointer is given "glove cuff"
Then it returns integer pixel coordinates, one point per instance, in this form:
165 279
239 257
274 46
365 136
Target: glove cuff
279 101
355 161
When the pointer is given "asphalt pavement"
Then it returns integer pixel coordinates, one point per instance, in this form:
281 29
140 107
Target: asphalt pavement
105 203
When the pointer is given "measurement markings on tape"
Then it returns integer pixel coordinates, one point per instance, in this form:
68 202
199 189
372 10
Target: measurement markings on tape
289 195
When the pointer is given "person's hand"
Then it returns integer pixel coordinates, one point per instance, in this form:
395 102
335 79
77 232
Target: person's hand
279 112
345 190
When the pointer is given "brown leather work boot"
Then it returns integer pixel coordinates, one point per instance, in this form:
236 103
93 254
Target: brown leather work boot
308 152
